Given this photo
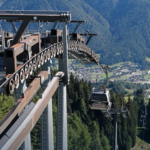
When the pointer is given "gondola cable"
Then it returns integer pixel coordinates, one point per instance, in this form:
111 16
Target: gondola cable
105 70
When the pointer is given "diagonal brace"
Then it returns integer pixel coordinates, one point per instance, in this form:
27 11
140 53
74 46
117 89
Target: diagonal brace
14 27
55 25
88 40
20 31
77 26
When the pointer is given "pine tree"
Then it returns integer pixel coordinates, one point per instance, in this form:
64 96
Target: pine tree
82 109
95 136
78 134
105 141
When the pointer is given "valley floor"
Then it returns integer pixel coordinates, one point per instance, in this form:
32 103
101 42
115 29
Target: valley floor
126 71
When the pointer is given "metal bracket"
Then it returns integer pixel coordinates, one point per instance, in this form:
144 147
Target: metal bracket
88 40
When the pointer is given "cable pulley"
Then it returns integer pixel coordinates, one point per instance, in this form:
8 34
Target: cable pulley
22 75
11 86
30 68
34 64
38 61
42 58
26 71
48 54
45 56
16 80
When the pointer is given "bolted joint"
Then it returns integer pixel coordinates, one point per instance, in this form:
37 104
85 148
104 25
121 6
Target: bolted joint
61 76
64 79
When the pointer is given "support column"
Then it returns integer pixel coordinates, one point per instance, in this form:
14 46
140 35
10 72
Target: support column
47 138
3 40
26 145
62 141
65 54
116 143
115 133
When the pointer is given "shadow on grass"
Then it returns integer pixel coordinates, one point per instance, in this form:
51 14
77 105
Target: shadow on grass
143 134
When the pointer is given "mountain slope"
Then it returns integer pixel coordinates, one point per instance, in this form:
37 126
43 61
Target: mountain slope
129 25
122 25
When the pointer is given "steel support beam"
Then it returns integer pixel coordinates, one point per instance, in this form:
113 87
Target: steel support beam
24 101
16 125
88 40
35 16
47 140
65 55
26 145
30 121
115 133
62 141
77 26
20 31
34 12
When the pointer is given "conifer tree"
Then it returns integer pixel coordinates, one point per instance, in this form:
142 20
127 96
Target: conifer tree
105 141
95 136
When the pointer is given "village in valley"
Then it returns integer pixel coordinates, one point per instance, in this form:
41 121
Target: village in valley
126 71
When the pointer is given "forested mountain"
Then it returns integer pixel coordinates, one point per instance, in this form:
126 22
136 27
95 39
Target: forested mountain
122 25
90 129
